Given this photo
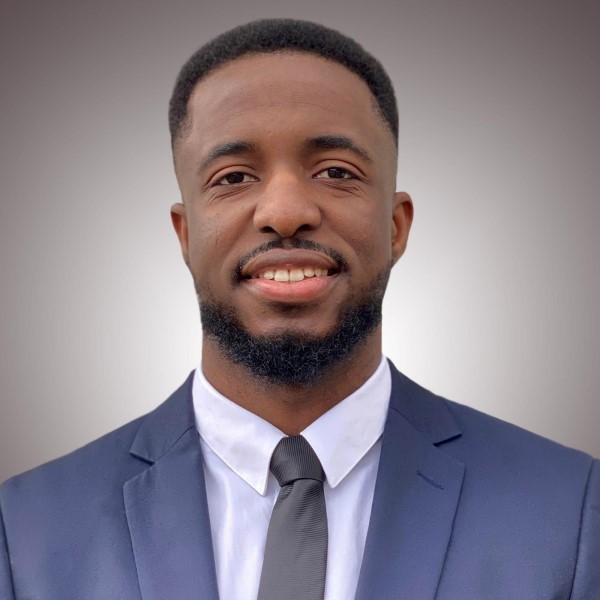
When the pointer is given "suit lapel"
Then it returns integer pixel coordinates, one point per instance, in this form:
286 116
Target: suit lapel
416 497
166 506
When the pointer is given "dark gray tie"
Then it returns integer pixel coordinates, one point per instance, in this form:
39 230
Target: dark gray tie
296 551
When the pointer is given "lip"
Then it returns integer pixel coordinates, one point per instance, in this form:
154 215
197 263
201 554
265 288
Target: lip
288 259
310 289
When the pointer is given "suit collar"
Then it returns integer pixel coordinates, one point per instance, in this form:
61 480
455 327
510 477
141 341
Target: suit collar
416 497
415 501
166 506
427 413
161 428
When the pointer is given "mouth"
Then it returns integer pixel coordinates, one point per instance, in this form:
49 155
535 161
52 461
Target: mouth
290 266
294 275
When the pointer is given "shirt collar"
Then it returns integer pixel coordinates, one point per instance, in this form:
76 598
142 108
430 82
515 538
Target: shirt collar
340 437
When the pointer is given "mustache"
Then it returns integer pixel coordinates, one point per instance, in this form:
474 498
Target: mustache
287 244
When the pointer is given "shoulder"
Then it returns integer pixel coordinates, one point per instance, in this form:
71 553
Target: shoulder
96 472
99 467
66 523
525 502
497 455
469 428
521 451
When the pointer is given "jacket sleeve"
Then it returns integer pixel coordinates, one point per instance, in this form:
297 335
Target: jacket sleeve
6 584
586 584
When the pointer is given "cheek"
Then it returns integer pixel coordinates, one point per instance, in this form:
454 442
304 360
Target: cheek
216 244
368 234
204 241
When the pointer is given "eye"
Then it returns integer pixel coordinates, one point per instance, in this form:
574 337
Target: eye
235 177
335 173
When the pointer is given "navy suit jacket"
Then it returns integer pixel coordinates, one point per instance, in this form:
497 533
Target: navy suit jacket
465 507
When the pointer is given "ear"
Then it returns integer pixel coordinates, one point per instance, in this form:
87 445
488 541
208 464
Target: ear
180 224
402 218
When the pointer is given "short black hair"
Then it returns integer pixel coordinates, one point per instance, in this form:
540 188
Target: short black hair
276 35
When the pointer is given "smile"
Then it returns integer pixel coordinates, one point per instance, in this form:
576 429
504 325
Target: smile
289 265
292 275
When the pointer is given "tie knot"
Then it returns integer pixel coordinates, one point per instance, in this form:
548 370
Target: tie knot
293 458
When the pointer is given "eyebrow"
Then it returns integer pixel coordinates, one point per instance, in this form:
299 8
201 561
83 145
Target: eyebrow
233 148
337 142
321 142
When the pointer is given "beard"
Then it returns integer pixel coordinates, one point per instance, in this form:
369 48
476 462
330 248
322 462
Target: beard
296 357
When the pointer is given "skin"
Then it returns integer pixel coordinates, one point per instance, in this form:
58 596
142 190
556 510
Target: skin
282 186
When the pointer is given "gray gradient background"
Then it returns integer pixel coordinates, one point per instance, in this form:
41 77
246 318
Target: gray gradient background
495 303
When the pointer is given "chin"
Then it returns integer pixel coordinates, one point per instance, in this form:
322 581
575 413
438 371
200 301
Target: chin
299 355
290 356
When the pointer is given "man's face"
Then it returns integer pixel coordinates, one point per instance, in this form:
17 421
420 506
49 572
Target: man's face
287 174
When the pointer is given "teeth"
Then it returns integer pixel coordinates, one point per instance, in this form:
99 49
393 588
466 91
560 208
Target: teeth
296 274
292 275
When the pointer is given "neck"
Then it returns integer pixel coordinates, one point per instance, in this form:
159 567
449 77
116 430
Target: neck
290 408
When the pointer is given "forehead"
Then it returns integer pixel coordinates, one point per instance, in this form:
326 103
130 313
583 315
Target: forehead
279 96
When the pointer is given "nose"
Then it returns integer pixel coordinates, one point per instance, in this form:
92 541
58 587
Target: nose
287 206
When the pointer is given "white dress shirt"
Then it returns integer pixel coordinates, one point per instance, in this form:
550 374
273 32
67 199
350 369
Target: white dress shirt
237 446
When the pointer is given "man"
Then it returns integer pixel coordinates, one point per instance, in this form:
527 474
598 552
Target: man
284 141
